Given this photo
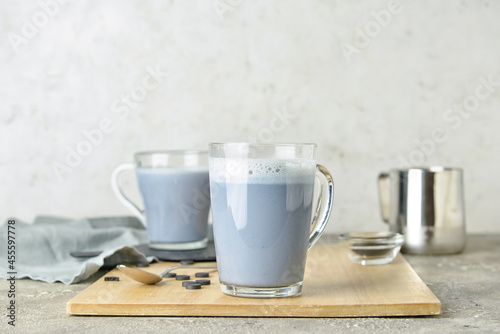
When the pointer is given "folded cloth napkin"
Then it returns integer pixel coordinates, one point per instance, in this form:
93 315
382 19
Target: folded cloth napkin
42 249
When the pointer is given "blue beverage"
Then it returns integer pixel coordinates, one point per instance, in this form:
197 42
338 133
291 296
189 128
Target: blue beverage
176 202
262 216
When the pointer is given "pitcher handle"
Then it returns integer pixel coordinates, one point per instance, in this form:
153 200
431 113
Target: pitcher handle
121 196
384 195
324 205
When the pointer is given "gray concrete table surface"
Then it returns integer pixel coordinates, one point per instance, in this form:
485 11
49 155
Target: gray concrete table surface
467 284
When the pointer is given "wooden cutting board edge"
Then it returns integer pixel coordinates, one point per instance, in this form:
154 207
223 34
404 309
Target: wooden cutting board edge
296 311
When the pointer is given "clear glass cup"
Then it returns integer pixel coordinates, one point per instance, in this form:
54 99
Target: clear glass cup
372 248
265 217
175 191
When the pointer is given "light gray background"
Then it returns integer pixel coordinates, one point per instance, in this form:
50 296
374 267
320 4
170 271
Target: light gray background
230 67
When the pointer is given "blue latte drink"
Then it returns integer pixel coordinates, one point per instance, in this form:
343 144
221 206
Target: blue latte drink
176 203
262 212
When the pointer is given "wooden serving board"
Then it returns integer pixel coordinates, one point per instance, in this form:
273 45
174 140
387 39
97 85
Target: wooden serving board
333 287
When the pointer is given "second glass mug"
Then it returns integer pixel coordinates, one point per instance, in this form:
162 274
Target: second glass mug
175 190
263 216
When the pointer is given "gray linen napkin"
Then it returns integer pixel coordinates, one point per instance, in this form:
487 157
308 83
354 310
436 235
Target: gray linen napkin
43 248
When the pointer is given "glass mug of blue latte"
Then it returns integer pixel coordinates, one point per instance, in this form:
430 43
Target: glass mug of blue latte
175 191
264 215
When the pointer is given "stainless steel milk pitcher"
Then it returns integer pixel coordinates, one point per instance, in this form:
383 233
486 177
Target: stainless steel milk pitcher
427 206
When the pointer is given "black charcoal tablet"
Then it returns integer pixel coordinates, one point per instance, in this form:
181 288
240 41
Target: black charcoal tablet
203 281
111 278
193 286
182 277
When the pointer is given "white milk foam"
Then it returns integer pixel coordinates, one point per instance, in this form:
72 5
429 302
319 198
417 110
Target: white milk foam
269 171
172 170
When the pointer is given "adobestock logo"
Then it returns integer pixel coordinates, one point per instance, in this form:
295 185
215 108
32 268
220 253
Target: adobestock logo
363 37
131 100
223 6
454 118
277 124
470 104
31 27
200 203
95 136
74 156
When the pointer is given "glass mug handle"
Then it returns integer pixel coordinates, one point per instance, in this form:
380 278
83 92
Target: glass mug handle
324 207
121 196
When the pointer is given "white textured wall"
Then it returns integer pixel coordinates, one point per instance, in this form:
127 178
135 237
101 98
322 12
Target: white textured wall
366 100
